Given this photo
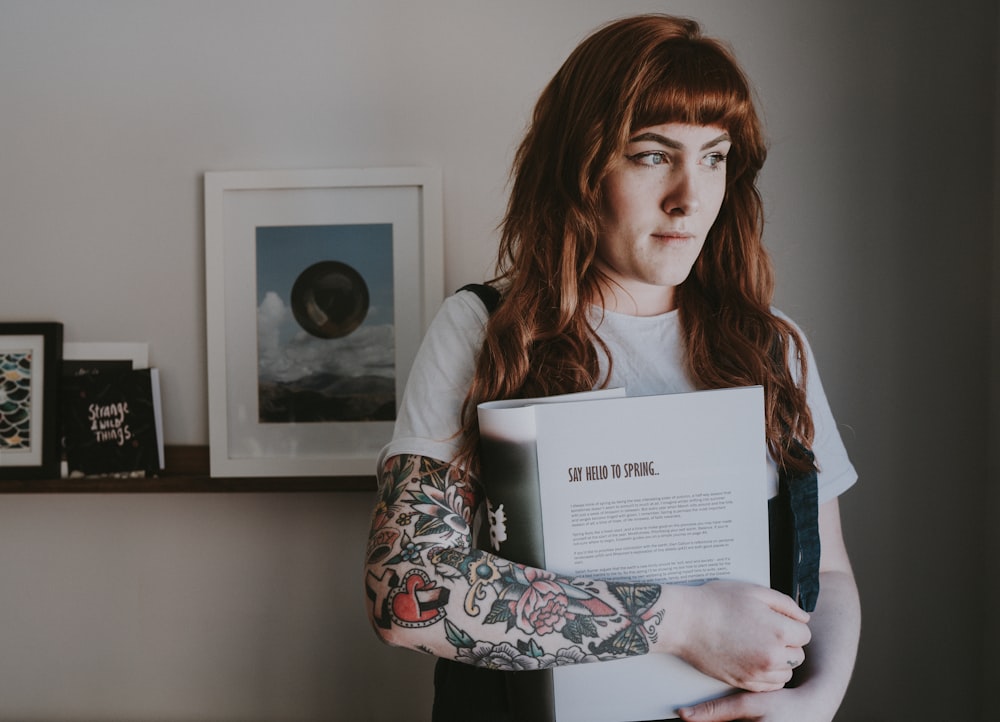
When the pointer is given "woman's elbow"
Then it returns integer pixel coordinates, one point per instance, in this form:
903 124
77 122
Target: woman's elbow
378 584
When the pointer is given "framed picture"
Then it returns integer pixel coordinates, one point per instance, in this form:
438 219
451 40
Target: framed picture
30 361
320 284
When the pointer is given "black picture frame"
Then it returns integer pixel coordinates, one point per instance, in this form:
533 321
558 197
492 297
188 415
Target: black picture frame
30 369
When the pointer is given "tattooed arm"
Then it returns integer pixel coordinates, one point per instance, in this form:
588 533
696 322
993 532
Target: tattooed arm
430 590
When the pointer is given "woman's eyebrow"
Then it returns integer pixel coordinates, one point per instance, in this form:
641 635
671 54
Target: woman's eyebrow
676 145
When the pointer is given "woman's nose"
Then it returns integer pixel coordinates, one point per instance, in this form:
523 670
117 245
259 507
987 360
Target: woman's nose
682 198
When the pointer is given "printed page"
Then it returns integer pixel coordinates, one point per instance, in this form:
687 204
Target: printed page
658 488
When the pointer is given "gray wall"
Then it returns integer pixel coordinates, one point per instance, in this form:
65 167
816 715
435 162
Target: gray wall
880 187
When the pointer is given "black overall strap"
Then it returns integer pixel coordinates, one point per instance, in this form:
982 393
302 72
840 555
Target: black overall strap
487 294
795 544
803 499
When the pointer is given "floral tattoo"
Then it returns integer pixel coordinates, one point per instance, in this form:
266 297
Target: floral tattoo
421 544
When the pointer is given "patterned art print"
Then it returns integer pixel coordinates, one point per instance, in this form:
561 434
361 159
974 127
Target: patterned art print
15 400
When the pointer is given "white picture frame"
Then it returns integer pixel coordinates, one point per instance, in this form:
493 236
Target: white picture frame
263 227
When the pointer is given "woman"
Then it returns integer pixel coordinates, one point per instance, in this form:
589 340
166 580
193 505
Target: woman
630 255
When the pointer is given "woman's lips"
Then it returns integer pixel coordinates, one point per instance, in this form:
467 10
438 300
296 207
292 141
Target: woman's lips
674 236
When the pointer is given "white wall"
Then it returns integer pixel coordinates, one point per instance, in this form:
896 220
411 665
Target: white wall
882 117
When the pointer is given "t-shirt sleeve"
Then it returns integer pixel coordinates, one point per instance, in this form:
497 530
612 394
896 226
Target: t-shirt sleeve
429 419
836 473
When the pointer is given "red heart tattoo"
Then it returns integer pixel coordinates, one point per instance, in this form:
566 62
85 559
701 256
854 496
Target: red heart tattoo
417 601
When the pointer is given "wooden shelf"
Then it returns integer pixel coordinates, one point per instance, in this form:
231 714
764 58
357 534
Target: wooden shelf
187 472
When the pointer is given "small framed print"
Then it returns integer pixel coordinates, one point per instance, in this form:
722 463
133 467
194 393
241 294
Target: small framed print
30 365
320 284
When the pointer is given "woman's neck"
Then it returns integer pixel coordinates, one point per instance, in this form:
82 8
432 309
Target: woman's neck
639 299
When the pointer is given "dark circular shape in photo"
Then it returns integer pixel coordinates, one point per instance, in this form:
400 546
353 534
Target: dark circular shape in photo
330 299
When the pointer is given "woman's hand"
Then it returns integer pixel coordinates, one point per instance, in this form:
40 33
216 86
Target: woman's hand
746 635
781 706
834 624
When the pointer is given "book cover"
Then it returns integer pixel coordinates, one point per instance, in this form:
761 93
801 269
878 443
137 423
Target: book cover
112 422
668 488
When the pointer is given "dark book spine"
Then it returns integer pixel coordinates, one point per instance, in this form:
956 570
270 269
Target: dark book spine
514 532
510 476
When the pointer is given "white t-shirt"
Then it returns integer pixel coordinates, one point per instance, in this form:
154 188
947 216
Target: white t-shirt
648 359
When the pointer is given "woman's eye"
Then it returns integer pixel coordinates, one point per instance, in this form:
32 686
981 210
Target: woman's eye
714 160
651 158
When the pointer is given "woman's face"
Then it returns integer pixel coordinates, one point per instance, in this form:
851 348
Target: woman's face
661 197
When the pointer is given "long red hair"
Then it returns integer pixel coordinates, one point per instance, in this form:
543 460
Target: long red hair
631 74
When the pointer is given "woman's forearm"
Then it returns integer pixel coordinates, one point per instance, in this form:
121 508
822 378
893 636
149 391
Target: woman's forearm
836 622
836 627
428 589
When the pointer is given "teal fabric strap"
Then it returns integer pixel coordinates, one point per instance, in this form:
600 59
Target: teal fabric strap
802 493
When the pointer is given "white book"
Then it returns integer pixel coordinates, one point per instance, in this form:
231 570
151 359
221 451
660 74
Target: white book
665 489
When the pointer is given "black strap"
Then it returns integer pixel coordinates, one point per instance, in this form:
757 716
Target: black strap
794 537
487 294
803 492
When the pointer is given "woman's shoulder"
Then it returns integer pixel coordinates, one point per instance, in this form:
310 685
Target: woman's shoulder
803 337
456 331
784 317
461 310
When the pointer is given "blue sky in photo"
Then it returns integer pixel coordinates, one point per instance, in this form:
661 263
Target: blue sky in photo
284 350
283 252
